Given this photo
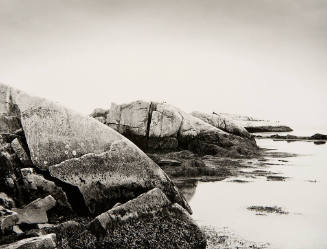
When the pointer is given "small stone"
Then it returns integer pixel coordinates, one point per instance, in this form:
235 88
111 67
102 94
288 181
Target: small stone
17 230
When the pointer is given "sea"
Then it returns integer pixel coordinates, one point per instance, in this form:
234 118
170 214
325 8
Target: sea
303 195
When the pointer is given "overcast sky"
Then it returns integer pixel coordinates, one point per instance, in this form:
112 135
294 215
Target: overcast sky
266 58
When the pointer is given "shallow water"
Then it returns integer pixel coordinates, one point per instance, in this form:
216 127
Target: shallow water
303 195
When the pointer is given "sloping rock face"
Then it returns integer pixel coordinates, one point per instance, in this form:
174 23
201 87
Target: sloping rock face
159 126
223 123
253 125
102 164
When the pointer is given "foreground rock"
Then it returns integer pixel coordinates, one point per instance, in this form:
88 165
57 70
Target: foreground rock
253 125
101 164
151 212
162 127
42 242
57 165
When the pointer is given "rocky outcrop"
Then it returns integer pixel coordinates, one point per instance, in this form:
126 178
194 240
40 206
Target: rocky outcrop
253 125
53 160
102 164
223 123
320 138
160 126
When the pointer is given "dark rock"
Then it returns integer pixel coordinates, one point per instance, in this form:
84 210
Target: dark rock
8 219
6 201
318 136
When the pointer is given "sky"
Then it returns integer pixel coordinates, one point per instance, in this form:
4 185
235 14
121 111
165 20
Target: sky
263 58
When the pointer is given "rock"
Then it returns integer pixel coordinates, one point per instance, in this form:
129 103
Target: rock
150 202
42 226
78 151
99 112
6 201
21 152
256 125
158 222
165 121
132 116
8 124
36 211
170 162
35 185
17 230
223 123
318 136
118 175
160 126
8 219
101 119
42 242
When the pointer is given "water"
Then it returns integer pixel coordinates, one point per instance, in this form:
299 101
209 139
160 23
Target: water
303 195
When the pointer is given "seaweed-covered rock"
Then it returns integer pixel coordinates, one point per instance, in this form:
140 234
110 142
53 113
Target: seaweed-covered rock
158 222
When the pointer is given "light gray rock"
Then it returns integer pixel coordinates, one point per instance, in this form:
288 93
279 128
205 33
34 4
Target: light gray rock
254 124
223 123
41 242
36 211
132 116
17 230
165 122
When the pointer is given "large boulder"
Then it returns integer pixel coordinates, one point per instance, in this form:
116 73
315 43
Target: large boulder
159 224
97 163
223 123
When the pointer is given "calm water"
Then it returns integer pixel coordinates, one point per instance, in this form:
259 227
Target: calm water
303 195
